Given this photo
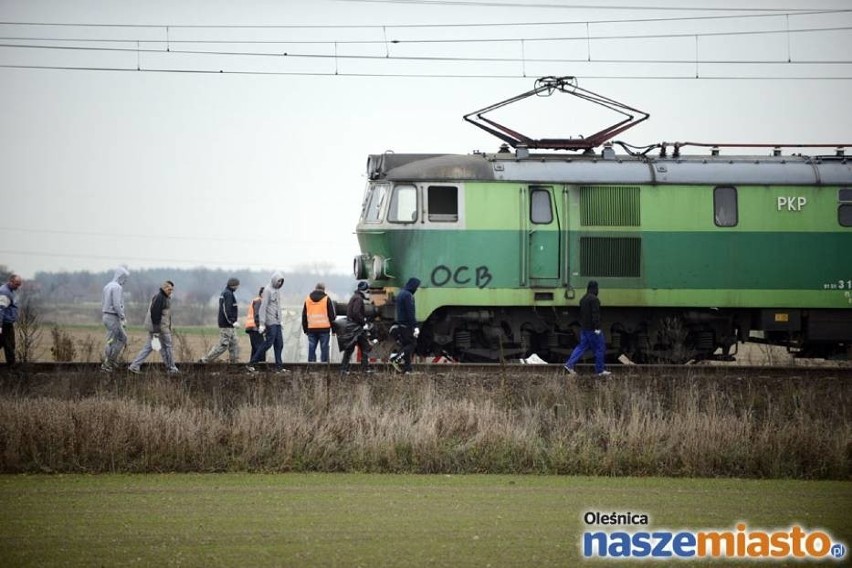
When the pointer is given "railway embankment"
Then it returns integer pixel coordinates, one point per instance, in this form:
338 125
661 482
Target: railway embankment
687 421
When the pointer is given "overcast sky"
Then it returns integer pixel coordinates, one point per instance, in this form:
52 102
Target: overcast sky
262 166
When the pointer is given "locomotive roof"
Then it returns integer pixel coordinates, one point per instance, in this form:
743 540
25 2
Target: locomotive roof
608 167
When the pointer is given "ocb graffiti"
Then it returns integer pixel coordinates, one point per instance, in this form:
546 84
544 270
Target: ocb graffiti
443 275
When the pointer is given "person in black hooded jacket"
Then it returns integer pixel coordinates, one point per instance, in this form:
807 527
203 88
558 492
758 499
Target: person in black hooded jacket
591 336
356 316
407 329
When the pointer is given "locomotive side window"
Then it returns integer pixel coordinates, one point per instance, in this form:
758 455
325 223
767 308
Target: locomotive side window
844 210
403 204
374 202
725 206
443 203
541 212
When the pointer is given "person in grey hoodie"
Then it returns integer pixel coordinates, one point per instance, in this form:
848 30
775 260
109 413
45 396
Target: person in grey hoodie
269 324
115 319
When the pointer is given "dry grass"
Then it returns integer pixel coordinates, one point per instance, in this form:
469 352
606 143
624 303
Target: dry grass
662 426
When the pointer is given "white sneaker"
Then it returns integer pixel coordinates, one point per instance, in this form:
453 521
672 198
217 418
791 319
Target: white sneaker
604 374
569 370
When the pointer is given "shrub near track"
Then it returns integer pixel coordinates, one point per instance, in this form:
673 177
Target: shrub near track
450 423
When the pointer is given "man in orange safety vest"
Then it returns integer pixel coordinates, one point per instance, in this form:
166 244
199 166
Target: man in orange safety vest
317 316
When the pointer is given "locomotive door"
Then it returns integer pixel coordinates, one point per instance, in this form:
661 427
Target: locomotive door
543 242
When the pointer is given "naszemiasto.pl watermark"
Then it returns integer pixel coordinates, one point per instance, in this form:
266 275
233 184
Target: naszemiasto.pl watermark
614 535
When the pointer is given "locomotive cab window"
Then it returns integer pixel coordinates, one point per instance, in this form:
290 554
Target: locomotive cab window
844 209
443 203
403 204
373 203
725 206
541 210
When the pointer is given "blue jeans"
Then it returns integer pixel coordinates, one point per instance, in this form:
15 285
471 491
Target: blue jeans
320 337
274 339
589 340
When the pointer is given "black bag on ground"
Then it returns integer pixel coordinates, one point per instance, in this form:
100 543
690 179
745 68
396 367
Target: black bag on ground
347 333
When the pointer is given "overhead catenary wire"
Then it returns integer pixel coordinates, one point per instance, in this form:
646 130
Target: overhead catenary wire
575 6
441 58
583 37
333 73
671 19
140 45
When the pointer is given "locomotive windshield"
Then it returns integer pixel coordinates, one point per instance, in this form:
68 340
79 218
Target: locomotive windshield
374 202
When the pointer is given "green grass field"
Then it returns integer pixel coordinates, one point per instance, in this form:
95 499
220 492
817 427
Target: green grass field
375 520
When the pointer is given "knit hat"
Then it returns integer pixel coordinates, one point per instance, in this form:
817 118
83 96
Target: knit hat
363 286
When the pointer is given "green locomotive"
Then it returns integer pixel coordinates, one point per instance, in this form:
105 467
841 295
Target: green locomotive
693 253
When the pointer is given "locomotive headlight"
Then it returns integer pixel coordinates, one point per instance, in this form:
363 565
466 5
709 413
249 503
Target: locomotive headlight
381 268
359 266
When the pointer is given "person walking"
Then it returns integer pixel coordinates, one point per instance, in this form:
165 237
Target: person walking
158 323
407 330
8 317
114 318
591 336
228 322
269 325
317 317
255 338
356 315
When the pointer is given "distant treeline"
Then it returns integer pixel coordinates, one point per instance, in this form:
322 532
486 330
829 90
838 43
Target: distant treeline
62 295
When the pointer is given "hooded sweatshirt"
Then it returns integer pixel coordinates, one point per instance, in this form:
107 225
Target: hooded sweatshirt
270 306
113 302
405 309
590 308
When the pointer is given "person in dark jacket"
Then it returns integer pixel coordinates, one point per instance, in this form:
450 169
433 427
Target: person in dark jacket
8 317
317 316
591 336
228 322
158 323
407 330
355 314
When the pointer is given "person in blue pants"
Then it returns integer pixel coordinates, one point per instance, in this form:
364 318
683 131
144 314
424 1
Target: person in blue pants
591 336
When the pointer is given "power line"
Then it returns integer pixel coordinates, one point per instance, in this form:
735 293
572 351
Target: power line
136 236
678 35
770 14
692 77
123 258
469 3
431 58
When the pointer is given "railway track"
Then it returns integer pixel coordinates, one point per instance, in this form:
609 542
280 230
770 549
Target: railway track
462 370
